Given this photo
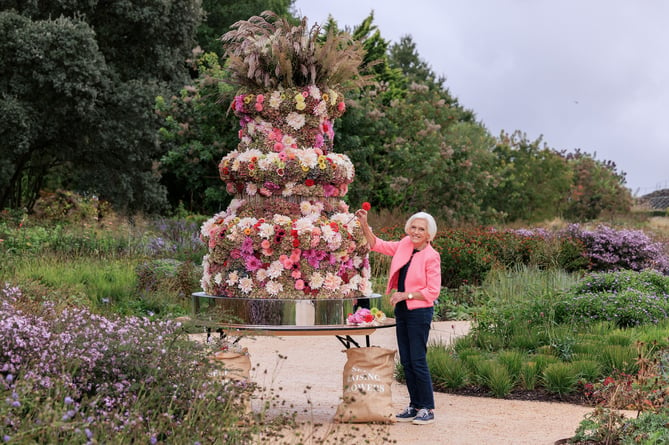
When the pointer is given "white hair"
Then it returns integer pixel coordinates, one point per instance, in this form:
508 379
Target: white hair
431 224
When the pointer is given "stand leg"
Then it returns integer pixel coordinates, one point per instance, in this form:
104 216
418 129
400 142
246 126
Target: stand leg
348 341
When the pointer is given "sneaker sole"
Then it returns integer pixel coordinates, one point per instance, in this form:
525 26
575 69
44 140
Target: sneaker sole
422 422
407 420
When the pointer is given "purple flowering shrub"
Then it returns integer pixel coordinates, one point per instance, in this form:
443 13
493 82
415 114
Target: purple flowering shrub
611 249
71 376
625 298
175 238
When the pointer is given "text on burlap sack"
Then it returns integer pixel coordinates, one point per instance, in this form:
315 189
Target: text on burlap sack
364 381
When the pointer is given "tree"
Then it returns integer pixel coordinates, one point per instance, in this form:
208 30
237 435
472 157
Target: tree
196 133
221 14
88 115
51 78
597 188
404 56
534 180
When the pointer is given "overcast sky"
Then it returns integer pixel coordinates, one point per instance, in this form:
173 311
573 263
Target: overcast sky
588 74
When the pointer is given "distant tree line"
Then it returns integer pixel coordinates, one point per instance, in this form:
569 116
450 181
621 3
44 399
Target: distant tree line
128 101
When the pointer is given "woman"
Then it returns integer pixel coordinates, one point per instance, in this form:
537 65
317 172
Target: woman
413 285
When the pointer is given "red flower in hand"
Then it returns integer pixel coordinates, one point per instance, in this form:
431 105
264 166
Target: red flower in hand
366 206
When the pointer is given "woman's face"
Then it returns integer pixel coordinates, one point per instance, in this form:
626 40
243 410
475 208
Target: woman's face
418 233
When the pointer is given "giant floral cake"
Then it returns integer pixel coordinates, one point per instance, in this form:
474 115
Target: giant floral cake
287 233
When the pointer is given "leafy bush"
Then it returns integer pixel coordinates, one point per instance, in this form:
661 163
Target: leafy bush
464 260
176 238
624 298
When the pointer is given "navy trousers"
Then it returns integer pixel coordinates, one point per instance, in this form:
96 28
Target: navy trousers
413 328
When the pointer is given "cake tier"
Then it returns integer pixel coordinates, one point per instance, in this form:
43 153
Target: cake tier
291 172
285 248
291 118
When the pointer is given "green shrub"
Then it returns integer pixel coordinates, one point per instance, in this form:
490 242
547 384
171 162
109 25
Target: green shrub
602 426
618 358
560 378
513 361
448 372
649 428
529 375
464 260
589 370
624 298
499 380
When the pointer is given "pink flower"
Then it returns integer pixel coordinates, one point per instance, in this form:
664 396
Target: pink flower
265 244
296 274
330 190
286 262
299 284
278 146
341 107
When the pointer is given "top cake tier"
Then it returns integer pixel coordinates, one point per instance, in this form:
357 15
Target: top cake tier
289 118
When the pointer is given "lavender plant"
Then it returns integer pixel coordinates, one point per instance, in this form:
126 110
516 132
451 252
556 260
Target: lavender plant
611 249
72 376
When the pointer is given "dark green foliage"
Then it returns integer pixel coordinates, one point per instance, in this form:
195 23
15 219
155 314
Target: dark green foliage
196 132
534 180
221 14
80 89
625 298
597 188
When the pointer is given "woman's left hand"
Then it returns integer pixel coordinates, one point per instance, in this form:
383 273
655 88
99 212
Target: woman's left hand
398 296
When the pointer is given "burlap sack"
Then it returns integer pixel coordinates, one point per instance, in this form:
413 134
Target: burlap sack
368 376
236 365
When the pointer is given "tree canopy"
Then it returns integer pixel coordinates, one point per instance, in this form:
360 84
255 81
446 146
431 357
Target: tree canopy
79 90
128 101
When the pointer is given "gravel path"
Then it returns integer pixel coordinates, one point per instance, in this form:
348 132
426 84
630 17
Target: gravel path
305 374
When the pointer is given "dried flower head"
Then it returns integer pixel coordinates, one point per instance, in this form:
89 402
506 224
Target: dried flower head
266 52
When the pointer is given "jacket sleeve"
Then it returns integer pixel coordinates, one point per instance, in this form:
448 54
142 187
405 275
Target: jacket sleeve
385 247
432 278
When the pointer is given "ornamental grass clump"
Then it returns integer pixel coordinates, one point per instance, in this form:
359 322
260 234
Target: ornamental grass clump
529 376
71 376
266 52
448 372
560 378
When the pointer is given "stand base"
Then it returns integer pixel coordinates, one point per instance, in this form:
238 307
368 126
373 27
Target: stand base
260 314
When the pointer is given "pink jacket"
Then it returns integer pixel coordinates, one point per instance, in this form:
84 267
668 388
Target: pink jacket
424 274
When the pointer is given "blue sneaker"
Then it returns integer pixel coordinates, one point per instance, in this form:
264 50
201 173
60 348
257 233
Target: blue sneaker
423 417
407 415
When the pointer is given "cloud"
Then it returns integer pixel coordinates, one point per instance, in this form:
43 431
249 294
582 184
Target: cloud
591 75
